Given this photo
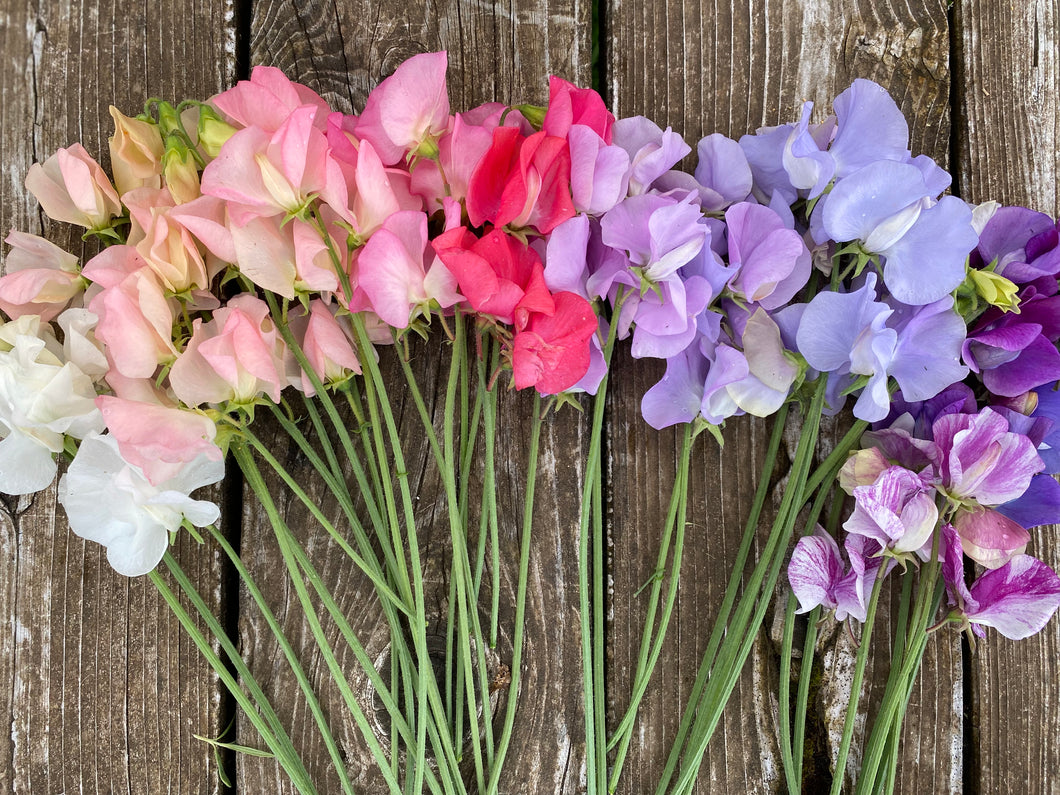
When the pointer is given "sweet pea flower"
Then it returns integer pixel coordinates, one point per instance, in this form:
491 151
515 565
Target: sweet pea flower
1017 599
659 233
136 323
770 261
136 517
570 106
71 187
40 278
770 369
818 577
896 510
235 358
652 151
1025 245
43 399
267 99
328 344
887 207
409 110
551 353
723 173
136 151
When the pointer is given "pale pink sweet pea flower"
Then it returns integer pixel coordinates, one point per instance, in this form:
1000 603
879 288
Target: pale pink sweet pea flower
262 174
284 258
327 342
236 357
134 518
155 435
136 151
136 324
408 111
80 344
392 271
372 192
171 252
71 187
41 278
267 99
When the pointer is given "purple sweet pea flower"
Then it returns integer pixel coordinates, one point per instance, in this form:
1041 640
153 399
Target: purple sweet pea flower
927 358
723 172
896 510
818 577
652 151
677 397
659 233
599 176
770 369
1048 407
1024 243
1017 599
887 207
770 261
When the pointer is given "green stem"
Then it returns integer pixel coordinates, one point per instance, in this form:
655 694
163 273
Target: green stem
651 648
791 773
505 735
267 723
802 698
292 659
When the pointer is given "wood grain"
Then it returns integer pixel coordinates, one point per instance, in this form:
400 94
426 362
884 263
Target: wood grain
1008 74
101 690
705 67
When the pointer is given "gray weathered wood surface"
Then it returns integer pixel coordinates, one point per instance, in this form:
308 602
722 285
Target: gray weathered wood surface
102 691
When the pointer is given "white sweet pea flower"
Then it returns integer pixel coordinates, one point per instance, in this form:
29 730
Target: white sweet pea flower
112 503
42 399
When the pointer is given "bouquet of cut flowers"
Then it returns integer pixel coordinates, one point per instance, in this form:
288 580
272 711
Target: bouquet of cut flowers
258 251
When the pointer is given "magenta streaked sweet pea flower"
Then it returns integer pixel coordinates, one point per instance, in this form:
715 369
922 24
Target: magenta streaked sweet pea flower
818 576
896 510
770 261
1017 599
888 208
1023 242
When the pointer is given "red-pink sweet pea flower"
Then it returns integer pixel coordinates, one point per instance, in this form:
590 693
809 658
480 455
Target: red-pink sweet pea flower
327 342
236 357
41 278
522 181
552 352
71 187
267 99
499 275
136 324
262 174
392 271
157 436
409 110
569 105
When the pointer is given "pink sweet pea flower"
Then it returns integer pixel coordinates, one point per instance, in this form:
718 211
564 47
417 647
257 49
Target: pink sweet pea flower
409 110
392 271
327 342
569 105
41 279
171 252
267 99
136 324
262 174
500 276
371 192
552 352
158 437
522 181
236 357
284 258
71 187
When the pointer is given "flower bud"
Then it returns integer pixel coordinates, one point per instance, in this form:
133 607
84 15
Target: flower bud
180 171
135 153
213 131
996 290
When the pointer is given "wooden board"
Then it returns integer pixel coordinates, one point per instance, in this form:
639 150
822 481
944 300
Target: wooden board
704 67
1007 76
496 53
101 690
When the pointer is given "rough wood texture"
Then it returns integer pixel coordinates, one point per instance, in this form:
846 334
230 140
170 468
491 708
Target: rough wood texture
102 692
703 67
1008 74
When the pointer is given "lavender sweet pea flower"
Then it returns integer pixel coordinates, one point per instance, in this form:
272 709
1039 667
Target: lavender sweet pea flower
770 261
723 172
652 151
896 510
659 233
599 176
1017 599
809 167
869 127
927 358
770 369
677 397
887 207
764 152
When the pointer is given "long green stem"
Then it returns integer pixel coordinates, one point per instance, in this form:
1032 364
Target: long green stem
505 736
292 659
267 723
651 647
787 756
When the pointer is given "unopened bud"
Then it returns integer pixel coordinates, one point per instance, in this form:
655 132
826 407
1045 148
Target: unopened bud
996 290
213 131
180 170
135 153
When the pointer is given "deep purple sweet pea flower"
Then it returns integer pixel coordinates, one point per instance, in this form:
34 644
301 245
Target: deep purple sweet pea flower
896 510
887 207
1048 407
1015 353
954 399
1024 243
1017 599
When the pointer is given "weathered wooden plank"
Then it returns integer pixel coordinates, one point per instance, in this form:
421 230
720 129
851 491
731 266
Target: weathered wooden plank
496 52
1007 75
706 67
102 692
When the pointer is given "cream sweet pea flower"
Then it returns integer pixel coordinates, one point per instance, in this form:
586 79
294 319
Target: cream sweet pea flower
42 400
111 502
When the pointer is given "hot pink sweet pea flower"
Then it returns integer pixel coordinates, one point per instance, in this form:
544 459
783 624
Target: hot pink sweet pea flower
41 278
500 275
408 111
262 174
71 187
161 439
522 181
267 99
552 352
236 357
392 271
